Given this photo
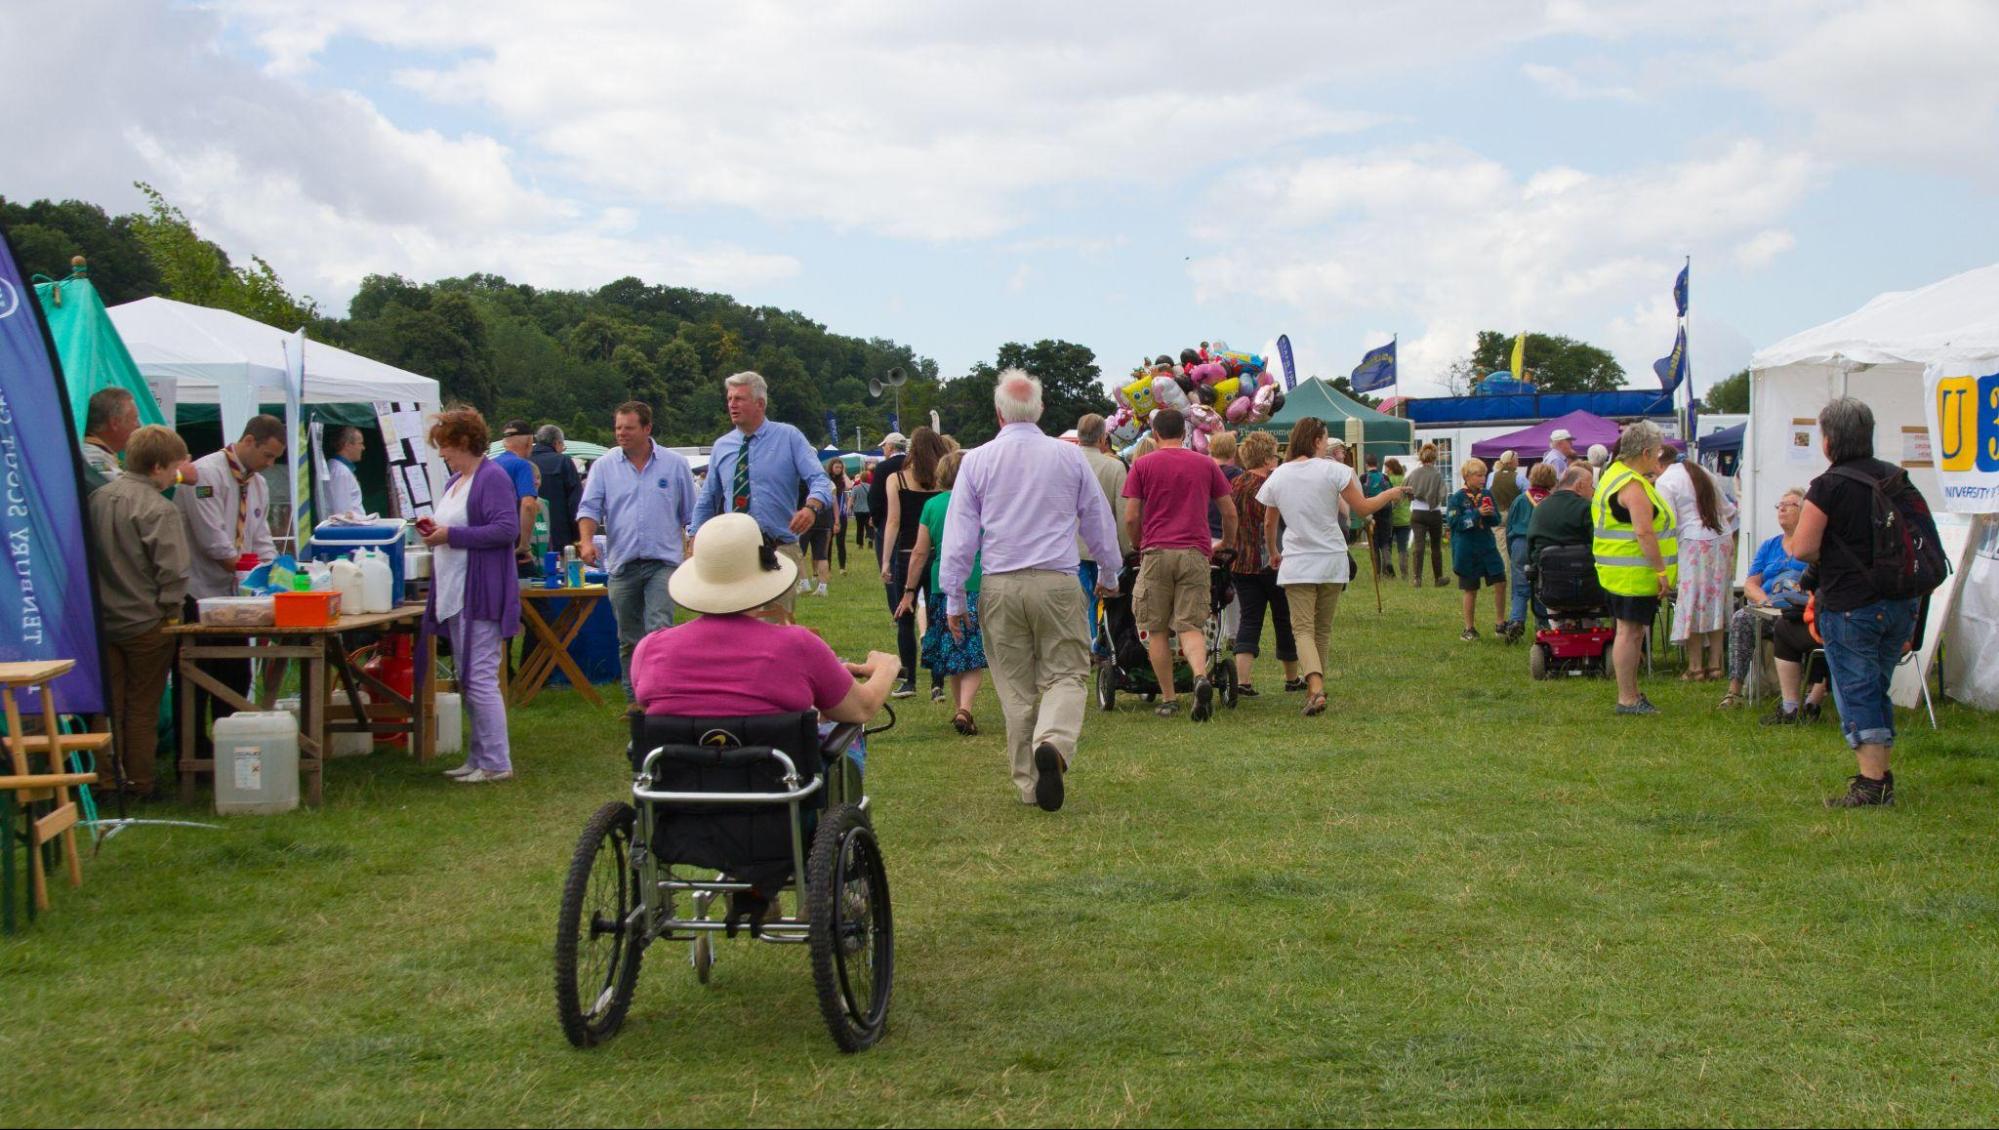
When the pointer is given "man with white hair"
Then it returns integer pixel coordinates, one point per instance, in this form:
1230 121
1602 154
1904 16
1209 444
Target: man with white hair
561 486
760 469
1020 501
1561 451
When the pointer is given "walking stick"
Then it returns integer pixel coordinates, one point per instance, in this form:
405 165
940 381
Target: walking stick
1374 555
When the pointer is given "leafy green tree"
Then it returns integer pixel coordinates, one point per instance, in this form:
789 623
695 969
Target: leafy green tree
194 270
1552 362
1730 395
47 234
1071 385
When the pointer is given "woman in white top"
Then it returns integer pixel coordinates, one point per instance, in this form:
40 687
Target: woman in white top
1707 567
1304 498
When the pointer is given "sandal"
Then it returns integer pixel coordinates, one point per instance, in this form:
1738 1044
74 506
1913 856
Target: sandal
1730 701
1314 704
1168 708
964 724
1713 674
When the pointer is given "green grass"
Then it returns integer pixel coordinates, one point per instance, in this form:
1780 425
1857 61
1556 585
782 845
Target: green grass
1459 897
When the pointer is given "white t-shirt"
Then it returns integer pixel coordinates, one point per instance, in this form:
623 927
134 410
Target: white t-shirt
1676 486
1307 493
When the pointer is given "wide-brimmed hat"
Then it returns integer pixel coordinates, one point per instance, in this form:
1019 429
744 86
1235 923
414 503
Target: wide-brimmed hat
732 570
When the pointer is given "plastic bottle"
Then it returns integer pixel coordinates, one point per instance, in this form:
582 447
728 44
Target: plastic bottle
347 582
573 566
377 583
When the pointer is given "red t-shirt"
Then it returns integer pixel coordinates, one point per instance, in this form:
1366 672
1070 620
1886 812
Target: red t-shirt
724 666
1175 484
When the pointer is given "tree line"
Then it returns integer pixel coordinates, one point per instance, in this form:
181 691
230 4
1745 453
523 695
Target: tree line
567 357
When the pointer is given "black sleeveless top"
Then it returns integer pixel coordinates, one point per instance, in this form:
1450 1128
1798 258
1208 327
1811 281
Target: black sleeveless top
910 511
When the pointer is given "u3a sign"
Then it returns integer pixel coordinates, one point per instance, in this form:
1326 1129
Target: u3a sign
1964 434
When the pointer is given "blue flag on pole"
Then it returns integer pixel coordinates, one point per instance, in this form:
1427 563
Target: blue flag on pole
1376 369
1680 290
1290 367
47 608
1672 368
832 428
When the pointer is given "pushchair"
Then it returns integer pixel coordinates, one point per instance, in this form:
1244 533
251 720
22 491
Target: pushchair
1577 637
726 814
1119 648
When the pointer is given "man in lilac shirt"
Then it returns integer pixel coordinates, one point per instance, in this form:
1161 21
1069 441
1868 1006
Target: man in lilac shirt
1020 501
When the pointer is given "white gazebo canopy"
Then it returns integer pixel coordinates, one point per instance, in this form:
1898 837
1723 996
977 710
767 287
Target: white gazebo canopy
204 351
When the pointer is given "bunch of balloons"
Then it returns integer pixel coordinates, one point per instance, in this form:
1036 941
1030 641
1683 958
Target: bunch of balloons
1210 386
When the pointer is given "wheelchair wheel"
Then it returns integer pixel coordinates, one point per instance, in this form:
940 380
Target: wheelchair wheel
1106 687
596 955
1537 661
701 951
852 932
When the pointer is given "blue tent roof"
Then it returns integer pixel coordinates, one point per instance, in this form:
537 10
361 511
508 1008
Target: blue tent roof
1727 439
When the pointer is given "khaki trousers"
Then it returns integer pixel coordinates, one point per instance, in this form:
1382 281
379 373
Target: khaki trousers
1312 608
1033 624
789 601
137 670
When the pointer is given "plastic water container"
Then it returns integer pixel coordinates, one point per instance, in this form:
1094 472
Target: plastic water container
333 540
349 745
256 763
380 585
450 722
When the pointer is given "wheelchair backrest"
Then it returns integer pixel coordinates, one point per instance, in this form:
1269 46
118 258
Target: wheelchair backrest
728 755
1565 578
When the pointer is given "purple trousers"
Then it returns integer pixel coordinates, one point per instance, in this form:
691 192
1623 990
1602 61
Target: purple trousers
475 644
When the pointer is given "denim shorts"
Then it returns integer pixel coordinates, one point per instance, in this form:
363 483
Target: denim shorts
1863 647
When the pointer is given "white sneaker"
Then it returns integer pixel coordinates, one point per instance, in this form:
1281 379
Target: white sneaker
480 776
461 770
821 590
805 586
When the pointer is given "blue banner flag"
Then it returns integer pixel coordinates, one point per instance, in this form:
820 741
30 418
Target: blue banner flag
1672 368
832 428
894 424
1680 290
47 609
1376 369
1290 367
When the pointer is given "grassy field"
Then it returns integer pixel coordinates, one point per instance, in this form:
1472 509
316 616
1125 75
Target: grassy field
1459 897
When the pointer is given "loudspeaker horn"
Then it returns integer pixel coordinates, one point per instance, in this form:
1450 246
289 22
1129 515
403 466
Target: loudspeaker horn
874 386
896 376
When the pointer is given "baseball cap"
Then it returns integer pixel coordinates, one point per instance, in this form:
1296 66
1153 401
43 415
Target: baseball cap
516 428
893 439
1560 433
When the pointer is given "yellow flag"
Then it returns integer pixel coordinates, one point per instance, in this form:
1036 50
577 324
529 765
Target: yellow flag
1519 354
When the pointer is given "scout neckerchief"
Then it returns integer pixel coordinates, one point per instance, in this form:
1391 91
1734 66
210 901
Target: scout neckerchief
243 478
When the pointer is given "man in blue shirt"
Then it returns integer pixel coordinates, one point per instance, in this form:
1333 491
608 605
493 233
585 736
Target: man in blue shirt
760 469
642 495
517 439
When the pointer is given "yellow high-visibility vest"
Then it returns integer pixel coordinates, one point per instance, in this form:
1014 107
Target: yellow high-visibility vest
1621 566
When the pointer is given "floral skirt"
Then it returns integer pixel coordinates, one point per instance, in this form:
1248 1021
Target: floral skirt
947 656
1705 590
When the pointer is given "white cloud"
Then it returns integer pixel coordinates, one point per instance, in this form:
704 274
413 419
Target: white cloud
1567 83
1022 274
1764 247
1904 81
1458 237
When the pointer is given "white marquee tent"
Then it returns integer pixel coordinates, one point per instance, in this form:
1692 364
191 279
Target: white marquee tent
208 353
1878 354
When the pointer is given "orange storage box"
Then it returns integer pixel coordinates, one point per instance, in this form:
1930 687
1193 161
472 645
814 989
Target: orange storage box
305 609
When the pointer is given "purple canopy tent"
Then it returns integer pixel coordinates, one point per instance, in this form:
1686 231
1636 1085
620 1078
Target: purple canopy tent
1531 444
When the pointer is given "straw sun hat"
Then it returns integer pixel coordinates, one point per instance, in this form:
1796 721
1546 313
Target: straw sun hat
731 570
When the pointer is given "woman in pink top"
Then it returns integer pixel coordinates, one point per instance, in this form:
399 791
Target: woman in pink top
726 662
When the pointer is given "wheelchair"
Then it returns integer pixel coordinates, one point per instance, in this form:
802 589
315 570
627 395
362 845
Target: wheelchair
1575 640
726 814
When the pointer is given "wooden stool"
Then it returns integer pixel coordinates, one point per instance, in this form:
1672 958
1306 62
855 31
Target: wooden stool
27 787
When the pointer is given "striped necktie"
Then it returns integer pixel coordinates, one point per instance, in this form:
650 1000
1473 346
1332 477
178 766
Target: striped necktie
741 486
242 478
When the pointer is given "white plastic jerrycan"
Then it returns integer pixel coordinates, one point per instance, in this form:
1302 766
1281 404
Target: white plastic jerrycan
347 582
377 582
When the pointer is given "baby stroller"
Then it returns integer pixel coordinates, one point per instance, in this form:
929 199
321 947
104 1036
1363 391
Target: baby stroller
1577 638
726 814
1119 649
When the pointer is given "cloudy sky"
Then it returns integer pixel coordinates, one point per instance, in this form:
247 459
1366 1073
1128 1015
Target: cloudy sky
1133 176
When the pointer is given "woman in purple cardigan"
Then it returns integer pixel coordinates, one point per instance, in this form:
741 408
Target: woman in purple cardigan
475 598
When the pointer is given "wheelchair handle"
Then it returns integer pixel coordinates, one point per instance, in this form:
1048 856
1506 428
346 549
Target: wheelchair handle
642 790
870 731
